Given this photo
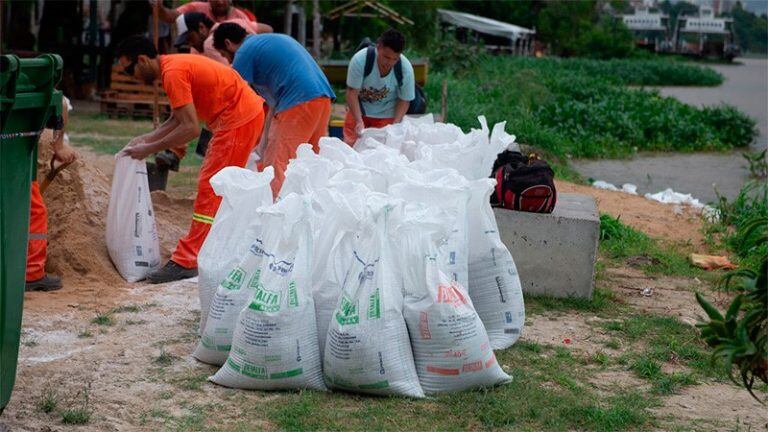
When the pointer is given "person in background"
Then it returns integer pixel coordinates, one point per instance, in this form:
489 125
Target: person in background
297 92
196 30
197 88
217 11
375 99
37 248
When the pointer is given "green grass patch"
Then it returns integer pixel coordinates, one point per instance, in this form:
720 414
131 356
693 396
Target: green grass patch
734 218
164 358
620 242
582 108
103 319
656 340
75 416
603 300
48 401
545 394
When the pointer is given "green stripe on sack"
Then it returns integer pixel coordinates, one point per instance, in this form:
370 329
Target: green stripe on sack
286 374
233 365
374 386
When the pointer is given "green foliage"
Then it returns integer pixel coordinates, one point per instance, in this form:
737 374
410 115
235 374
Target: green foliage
609 39
580 108
448 54
758 164
751 30
740 219
740 337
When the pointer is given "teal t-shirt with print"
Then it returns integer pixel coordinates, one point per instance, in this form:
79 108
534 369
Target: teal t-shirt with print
379 94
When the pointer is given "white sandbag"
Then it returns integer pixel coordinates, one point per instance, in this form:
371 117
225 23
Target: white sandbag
275 339
231 296
450 346
339 212
308 172
494 284
367 347
445 189
132 240
242 191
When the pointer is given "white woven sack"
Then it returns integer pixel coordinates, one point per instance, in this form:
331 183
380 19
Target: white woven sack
242 191
450 346
367 347
131 233
494 284
275 339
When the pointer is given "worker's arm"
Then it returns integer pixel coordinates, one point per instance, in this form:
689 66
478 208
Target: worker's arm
61 150
401 109
353 102
185 128
163 13
264 28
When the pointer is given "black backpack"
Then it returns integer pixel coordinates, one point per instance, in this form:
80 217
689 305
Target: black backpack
524 183
419 103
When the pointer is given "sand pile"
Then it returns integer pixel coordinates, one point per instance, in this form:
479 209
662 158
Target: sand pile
77 202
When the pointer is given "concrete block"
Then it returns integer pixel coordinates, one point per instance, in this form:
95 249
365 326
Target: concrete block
554 253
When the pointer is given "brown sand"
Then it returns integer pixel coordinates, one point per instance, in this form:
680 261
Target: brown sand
77 202
662 221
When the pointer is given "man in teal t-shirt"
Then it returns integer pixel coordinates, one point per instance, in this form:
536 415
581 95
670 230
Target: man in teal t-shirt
376 100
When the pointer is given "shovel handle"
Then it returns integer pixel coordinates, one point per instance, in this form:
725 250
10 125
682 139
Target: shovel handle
54 171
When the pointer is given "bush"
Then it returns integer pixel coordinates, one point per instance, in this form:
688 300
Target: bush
580 108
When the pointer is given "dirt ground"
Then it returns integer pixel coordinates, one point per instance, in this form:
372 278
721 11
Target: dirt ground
135 371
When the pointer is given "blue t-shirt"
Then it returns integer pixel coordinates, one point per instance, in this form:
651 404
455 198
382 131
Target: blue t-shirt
379 94
281 71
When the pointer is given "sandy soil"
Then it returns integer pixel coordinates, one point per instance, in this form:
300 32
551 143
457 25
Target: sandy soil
117 366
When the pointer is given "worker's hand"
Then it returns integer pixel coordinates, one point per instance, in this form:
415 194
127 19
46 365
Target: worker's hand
138 150
359 126
65 153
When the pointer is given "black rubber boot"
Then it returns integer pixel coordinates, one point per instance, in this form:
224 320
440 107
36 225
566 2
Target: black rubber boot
169 159
170 272
45 283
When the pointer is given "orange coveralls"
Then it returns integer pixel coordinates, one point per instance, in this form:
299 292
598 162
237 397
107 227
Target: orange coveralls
235 115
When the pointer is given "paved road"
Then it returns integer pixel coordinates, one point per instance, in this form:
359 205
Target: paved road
746 87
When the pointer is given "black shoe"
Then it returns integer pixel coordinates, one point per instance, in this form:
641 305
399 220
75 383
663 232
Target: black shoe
45 283
170 272
168 159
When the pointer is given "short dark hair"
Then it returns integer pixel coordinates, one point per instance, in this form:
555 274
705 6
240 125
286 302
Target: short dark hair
193 20
393 40
230 31
134 46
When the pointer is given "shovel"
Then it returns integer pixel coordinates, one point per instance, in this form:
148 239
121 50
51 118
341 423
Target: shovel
54 171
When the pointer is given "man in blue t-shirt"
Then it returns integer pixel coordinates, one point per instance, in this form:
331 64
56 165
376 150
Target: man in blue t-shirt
288 78
378 99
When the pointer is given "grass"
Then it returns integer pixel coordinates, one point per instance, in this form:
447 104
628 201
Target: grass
544 395
164 358
49 401
734 216
619 242
75 416
85 333
658 340
103 319
602 300
131 308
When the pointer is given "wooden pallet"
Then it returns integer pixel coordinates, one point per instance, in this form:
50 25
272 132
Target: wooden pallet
127 97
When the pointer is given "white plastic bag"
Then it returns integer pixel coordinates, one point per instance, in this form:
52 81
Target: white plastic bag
132 239
339 212
450 346
367 347
308 172
275 340
242 191
494 284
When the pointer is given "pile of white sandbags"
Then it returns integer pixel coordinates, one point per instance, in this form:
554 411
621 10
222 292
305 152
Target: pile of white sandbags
379 269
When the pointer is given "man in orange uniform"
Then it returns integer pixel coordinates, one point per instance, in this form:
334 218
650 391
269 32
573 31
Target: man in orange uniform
37 279
296 90
197 87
